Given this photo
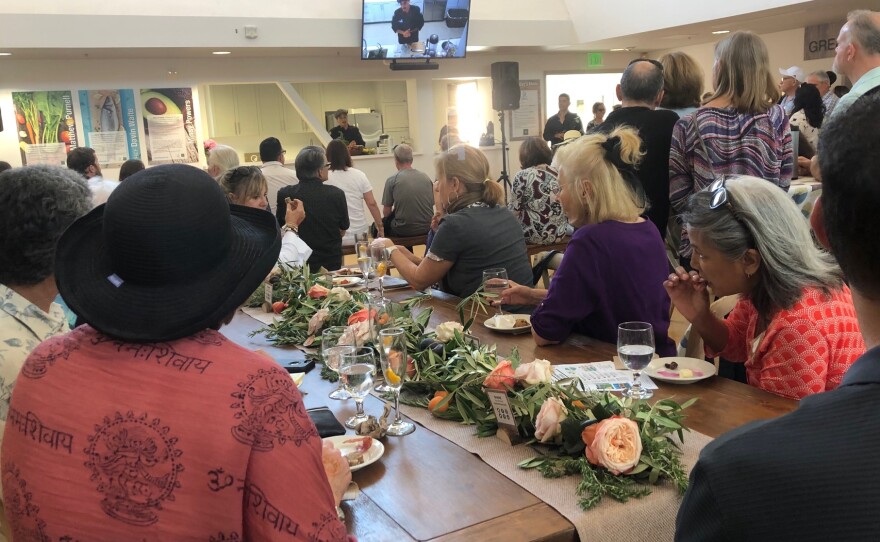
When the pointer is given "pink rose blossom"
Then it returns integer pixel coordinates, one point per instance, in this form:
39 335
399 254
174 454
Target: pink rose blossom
317 291
548 424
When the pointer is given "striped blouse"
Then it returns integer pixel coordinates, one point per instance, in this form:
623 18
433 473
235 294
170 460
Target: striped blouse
739 144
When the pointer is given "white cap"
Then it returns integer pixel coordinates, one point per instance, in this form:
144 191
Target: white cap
793 71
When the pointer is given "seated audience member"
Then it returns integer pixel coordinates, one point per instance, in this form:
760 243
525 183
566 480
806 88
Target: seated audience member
794 326
475 233
802 476
450 129
246 185
408 197
155 281
808 115
129 168
277 175
39 203
222 159
532 195
357 188
682 83
4 166
327 221
615 263
598 116
84 161
823 80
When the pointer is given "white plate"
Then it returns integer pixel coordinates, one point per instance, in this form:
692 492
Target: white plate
347 281
373 454
490 323
701 369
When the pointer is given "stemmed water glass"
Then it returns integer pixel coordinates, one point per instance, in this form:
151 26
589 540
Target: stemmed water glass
383 318
332 351
364 260
392 352
494 282
381 261
635 345
356 370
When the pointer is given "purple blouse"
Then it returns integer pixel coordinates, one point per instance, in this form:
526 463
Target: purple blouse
611 273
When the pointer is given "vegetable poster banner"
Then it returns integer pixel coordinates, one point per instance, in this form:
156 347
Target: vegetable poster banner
169 125
46 126
109 121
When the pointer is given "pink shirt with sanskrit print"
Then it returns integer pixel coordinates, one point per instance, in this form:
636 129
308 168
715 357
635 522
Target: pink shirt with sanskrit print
192 439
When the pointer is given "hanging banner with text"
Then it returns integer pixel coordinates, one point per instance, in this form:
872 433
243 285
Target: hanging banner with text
526 121
169 125
820 40
46 126
109 120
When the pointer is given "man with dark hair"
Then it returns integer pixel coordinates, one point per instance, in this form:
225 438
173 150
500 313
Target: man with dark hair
343 130
408 197
640 92
807 475
84 161
558 124
327 216
277 176
406 22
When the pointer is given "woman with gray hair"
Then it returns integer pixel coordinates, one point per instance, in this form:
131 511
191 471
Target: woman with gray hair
39 203
222 159
794 325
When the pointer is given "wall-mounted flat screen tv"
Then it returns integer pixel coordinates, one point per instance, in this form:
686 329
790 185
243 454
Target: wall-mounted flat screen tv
401 29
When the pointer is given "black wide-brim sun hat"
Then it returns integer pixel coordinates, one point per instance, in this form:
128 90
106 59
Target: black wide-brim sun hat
165 257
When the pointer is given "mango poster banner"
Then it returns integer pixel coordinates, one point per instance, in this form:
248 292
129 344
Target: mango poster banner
109 121
169 126
46 126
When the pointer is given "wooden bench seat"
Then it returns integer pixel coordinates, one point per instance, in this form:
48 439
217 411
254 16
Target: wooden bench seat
531 250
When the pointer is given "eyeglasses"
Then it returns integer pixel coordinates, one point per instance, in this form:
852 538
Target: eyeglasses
719 196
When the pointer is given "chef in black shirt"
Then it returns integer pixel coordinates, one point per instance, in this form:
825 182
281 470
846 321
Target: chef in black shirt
406 22
562 122
345 131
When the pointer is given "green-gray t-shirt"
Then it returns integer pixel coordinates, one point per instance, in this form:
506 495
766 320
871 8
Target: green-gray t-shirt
411 193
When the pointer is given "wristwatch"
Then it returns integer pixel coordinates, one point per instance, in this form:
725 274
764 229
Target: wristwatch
287 227
389 250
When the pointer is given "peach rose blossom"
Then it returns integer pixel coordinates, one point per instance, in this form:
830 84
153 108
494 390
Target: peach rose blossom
614 443
317 320
501 377
446 331
548 424
317 291
535 372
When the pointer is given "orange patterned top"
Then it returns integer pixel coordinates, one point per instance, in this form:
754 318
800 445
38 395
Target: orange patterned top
805 349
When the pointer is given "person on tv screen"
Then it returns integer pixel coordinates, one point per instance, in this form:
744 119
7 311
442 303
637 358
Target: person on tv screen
406 22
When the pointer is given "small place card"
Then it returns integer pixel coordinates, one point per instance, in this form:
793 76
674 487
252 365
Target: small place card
507 430
267 297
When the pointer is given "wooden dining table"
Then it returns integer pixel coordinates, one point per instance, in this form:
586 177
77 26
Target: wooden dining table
425 487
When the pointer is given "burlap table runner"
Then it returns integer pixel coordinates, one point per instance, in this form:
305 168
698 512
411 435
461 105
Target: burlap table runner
647 519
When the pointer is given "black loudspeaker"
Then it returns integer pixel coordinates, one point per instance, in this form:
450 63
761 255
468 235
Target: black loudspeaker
505 86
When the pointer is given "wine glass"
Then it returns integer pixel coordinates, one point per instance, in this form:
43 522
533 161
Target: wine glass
362 237
364 260
383 319
495 282
392 352
635 345
381 260
332 351
356 370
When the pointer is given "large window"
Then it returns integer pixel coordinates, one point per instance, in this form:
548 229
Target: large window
469 105
585 89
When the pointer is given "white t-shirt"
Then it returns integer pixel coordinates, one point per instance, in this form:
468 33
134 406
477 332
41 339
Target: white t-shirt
277 177
355 184
101 189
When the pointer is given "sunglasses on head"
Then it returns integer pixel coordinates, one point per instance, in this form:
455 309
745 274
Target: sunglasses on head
719 197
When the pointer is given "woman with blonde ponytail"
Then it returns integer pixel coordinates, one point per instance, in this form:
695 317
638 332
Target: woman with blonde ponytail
476 233
615 264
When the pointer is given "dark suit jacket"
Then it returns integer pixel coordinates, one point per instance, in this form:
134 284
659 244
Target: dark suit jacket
808 475
655 129
326 214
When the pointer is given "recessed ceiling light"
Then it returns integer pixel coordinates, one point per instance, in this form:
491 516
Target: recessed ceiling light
621 49
221 53
5 54
716 32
